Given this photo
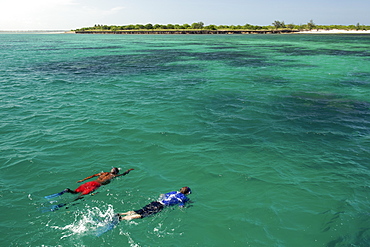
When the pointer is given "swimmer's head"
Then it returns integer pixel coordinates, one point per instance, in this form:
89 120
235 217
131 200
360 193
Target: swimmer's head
185 190
114 170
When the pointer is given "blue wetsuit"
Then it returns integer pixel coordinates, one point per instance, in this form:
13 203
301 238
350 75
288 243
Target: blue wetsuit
168 199
173 198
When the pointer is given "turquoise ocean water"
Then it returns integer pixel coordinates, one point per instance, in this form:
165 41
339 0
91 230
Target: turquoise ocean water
271 132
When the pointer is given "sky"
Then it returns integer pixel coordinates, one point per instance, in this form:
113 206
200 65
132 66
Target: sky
73 14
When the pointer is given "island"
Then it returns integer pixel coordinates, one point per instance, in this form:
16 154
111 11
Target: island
277 27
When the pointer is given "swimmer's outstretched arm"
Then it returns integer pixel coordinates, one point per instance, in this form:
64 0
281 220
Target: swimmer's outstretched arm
95 175
126 172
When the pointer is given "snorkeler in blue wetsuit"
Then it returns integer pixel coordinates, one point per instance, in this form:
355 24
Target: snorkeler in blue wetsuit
168 199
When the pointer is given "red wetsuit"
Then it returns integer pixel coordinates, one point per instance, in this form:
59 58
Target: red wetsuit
88 187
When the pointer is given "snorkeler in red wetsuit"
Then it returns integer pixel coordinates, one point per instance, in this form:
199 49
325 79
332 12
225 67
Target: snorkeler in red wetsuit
103 179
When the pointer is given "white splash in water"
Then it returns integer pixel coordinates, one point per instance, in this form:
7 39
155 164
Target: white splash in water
87 221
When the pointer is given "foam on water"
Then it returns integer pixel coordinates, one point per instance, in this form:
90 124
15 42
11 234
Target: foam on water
86 221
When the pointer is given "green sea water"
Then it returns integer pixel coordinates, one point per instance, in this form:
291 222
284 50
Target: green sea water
271 133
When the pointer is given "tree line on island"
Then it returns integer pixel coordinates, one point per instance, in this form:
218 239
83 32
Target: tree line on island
276 25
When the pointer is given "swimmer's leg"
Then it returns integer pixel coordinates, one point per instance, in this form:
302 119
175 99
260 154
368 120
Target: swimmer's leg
130 215
60 193
68 190
80 196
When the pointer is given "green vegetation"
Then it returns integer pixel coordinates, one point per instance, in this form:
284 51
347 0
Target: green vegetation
276 25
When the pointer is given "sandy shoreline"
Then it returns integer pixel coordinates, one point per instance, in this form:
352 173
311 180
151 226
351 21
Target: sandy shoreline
336 31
